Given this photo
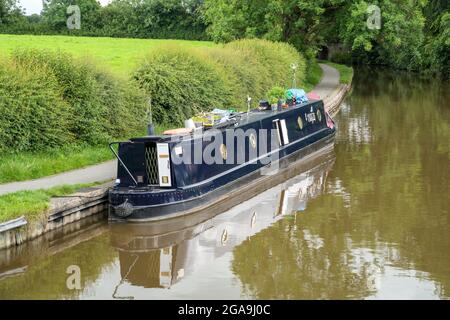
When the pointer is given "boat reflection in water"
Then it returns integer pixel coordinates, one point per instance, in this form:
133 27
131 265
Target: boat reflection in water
158 255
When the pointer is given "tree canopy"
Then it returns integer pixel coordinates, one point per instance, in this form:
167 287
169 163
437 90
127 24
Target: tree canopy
398 40
402 34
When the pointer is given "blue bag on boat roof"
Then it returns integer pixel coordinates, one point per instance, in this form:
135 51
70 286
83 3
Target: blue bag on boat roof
298 94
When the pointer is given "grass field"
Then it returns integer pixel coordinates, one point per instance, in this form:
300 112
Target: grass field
120 55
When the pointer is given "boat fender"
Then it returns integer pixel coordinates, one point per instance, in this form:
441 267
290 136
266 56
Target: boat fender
123 210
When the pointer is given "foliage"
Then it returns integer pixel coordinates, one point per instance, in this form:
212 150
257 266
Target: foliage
396 43
161 19
296 22
9 10
314 74
275 94
100 106
275 60
71 102
32 112
401 41
182 81
437 33
413 34
153 19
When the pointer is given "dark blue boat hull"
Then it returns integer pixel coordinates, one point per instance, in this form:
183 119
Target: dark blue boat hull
146 205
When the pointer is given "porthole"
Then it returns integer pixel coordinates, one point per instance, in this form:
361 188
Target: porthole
252 139
300 122
223 151
319 115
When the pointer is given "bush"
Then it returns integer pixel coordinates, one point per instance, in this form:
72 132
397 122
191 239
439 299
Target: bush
183 81
32 112
50 99
101 107
341 57
274 61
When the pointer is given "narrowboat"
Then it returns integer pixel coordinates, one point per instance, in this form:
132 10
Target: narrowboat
187 170
168 252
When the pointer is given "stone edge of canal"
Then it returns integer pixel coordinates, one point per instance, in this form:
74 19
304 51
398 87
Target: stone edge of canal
63 211
91 201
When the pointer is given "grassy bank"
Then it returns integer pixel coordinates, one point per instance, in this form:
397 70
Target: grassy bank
32 204
27 166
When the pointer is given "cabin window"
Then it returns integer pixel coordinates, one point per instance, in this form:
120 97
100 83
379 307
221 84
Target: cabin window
283 137
319 116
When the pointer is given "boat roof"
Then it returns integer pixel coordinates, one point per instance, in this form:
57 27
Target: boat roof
242 118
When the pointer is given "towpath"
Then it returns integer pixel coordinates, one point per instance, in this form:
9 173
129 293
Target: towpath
329 82
107 171
97 173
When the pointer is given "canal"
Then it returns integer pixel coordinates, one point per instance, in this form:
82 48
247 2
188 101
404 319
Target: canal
369 220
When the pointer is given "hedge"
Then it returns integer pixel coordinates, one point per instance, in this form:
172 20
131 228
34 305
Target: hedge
182 81
33 114
101 106
50 99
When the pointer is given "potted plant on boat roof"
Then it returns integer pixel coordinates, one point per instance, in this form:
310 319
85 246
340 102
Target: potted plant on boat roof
276 96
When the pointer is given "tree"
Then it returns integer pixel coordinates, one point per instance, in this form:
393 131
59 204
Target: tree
311 24
437 33
154 19
9 9
295 21
396 41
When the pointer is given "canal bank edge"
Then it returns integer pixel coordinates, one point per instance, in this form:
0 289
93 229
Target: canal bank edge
63 211
333 101
90 201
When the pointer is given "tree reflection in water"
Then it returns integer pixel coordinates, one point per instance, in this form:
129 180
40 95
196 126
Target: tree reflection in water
385 212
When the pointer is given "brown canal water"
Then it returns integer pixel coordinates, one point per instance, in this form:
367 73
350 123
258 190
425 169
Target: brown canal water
369 220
